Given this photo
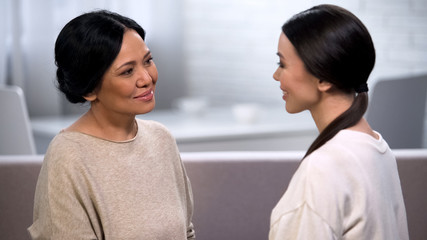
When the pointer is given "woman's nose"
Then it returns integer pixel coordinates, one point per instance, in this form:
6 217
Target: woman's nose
143 79
276 75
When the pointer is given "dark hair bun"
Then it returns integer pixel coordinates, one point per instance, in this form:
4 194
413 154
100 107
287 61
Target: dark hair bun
65 85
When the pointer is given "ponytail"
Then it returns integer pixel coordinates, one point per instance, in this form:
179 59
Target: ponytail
347 119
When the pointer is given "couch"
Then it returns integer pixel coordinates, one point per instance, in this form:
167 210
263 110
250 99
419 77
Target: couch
234 192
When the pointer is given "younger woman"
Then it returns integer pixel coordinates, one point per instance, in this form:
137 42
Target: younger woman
347 186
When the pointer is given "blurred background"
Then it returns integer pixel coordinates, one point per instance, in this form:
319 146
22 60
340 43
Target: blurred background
211 54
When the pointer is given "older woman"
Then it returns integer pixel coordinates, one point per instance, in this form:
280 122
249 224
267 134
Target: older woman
110 175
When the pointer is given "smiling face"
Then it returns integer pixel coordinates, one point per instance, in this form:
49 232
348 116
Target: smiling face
300 88
129 84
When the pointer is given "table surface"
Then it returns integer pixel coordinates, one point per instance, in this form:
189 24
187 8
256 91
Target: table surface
215 123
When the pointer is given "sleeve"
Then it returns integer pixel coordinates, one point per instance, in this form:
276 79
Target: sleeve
187 196
301 224
190 232
60 210
190 205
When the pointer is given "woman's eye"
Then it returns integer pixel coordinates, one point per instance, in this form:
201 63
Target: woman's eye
128 72
149 60
281 65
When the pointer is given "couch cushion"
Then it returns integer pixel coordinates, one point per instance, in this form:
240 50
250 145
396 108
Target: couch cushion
234 192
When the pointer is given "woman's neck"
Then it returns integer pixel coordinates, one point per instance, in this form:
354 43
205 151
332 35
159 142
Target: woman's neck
333 105
114 128
330 106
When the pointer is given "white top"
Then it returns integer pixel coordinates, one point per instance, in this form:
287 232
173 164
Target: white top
347 189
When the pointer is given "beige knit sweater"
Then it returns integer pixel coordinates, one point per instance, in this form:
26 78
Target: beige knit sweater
90 188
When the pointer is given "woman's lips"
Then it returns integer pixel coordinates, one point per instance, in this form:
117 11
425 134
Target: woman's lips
146 96
285 94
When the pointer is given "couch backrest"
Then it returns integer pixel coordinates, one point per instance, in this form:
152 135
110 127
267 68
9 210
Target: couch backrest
234 192
18 178
412 166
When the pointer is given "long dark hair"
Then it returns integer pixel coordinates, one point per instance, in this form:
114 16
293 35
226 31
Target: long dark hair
85 49
336 47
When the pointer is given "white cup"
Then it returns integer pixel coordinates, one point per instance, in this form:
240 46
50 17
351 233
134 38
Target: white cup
194 106
246 113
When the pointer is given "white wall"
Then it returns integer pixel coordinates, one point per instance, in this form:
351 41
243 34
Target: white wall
3 49
230 45
221 49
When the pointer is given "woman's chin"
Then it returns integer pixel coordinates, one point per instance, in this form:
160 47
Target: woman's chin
148 108
292 110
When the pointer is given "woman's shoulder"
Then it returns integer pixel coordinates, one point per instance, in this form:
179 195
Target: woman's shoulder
342 162
152 126
65 141
346 144
331 166
64 149
328 155
149 123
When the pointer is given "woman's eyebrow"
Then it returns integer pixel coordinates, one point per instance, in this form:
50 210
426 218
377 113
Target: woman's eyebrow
147 54
125 64
132 62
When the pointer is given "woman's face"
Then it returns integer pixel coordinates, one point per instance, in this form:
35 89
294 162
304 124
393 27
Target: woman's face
299 87
128 86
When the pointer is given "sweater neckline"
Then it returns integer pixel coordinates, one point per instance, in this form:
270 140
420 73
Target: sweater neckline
103 139
379 143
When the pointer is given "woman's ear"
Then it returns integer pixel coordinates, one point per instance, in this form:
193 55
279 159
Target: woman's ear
324 86
90 96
